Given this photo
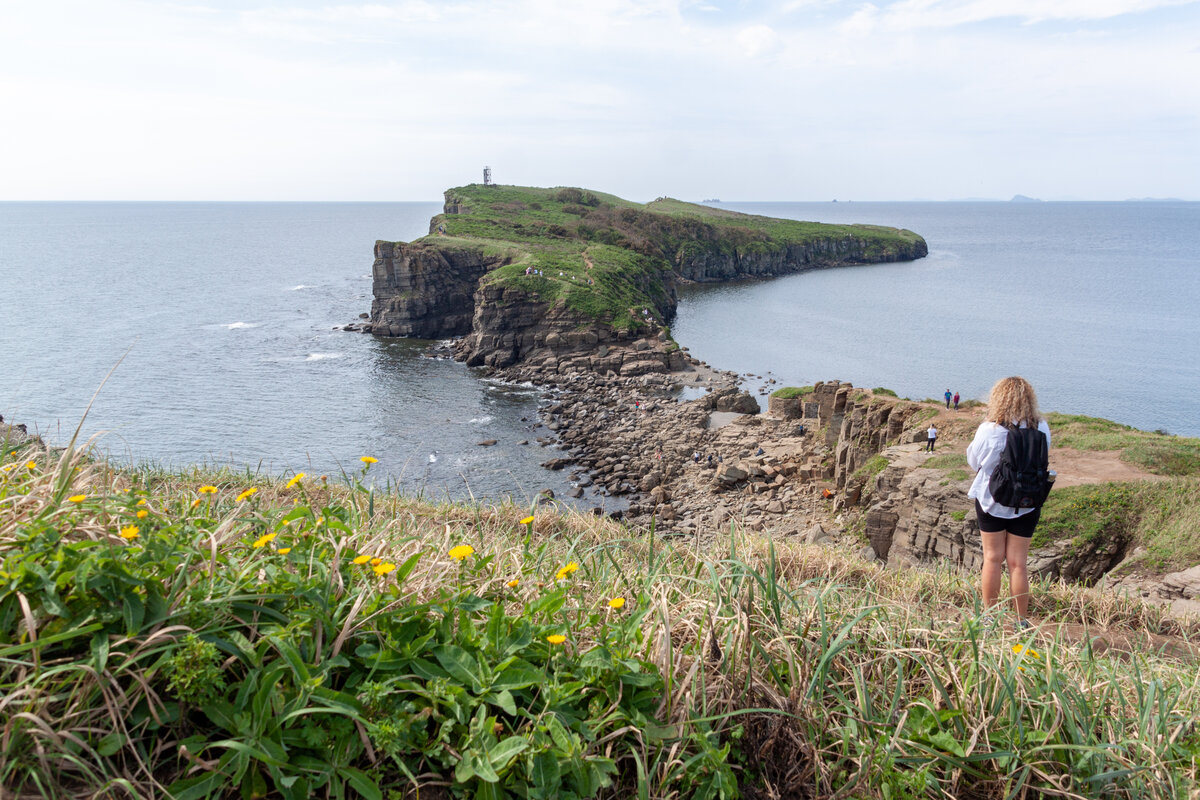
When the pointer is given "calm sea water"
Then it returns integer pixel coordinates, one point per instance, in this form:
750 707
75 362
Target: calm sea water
224 314
1097 304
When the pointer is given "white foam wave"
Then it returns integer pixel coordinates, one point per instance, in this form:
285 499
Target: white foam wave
323 356
233 326
480 420
432 458
301 286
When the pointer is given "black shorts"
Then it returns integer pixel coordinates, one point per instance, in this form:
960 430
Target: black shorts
1019 526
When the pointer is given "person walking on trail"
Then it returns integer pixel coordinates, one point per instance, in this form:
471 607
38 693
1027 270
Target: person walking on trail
932 432
956 401
1005 531
947 398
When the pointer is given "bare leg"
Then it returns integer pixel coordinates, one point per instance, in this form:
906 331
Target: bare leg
1016 553
993 565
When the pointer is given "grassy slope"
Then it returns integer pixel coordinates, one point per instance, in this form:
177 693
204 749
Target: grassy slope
630 246
1160 517
234 645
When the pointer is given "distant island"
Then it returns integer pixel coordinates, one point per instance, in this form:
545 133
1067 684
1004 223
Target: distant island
1020 198
560 276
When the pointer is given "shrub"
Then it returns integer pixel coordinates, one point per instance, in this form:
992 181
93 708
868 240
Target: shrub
791 392
881 390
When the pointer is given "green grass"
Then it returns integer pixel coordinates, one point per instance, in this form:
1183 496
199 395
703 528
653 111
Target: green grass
234 647
946 461
1160 516
882 390
792 392
872 467
1159 453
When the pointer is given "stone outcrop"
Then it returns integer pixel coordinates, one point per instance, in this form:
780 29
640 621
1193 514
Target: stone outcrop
426 291
509 327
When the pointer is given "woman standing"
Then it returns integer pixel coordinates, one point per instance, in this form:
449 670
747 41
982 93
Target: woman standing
1005 531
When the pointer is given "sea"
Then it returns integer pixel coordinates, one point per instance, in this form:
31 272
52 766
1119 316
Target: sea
174 334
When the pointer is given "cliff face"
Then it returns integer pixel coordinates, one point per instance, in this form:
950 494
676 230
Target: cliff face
707 265
509 328
426 291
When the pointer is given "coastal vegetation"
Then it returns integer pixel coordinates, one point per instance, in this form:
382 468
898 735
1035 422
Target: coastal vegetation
792 392
199 633
609 259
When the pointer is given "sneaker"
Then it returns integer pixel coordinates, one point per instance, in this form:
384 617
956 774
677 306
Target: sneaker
1023 625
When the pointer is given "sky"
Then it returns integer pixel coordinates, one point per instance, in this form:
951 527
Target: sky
695 99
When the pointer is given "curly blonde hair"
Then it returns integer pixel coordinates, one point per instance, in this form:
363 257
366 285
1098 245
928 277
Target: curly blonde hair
1013 401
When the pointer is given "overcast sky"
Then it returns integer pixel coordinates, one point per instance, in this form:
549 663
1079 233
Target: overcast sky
787 100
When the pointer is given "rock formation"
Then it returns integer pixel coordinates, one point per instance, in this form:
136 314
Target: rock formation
556 277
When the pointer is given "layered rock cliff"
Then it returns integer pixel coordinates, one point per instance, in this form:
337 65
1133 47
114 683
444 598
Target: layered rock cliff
573 279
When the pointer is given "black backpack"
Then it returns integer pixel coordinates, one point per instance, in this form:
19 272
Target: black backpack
1021 479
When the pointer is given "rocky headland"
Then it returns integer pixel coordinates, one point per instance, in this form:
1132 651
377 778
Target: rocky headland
557 277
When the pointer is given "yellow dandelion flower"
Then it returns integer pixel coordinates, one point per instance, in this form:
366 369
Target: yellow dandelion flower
556 638
461 551
208 490
527 520
246 494
319 520
77 498
384 569
513 583
264 540
565 571
375 562
283 551
8 467
299 477
616 602
1025 651
142 514
369 460
362 559
129 532
30 465
141 502
196 502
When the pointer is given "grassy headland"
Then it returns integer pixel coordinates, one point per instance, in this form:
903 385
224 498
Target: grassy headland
608 258
203 634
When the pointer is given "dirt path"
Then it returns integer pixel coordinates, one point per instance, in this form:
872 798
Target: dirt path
1074 467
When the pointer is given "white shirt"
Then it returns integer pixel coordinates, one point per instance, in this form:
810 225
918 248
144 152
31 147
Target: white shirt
932 432
983 454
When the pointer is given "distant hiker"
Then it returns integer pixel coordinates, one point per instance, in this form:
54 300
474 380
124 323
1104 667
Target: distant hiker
932 433
1006 530
696 456
956 401
947 398
710 459
441 229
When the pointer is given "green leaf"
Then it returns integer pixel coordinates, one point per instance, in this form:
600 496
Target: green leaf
506 751
504 700
460 664
544 772
945 741
519 675
110 744
359 781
